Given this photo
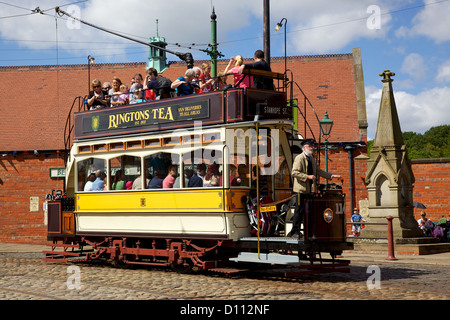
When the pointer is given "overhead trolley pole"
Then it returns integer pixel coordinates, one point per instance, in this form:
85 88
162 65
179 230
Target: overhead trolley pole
186 57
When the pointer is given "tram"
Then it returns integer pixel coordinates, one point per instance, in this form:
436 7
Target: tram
149 210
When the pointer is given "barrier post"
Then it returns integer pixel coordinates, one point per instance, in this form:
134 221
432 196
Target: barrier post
391 255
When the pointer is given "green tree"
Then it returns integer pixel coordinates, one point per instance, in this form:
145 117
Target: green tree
434 143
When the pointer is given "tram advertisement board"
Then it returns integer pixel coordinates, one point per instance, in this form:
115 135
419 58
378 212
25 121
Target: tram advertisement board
157 115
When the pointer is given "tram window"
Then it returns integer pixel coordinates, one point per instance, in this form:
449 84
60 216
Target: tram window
191 139
88 171
171 141
206 164
84 149
160 166
116 146
134 144
282 177
123 171
152 143
211 137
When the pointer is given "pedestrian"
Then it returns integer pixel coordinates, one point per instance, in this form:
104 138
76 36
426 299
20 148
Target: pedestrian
356 217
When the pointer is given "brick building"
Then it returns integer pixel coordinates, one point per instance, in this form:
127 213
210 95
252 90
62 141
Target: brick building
36 101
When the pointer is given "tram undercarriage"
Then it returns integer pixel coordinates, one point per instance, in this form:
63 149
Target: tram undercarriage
220 256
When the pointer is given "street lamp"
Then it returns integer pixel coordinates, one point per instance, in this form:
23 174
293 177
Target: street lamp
325 126
277 28
91 60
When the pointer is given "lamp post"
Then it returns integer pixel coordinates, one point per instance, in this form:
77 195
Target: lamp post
325 125
277 28
91 60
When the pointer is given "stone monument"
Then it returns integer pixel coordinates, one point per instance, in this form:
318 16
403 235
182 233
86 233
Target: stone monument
389 178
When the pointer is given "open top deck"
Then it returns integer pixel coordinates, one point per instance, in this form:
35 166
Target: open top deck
218 107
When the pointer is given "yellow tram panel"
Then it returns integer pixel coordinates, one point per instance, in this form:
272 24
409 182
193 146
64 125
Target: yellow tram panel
214 200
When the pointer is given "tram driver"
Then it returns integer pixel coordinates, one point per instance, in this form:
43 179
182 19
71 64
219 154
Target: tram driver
304 171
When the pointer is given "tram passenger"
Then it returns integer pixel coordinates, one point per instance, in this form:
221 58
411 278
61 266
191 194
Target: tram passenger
206 82
240 80
201 170
106 87
119 181
235 180
196 180
124 95
169 181
114 92
99 183
259 64
137 182
196 81
157 85
137 85
138 97
96 98
90 181
183 85
304 171
150 83
222 81
156 182
212 177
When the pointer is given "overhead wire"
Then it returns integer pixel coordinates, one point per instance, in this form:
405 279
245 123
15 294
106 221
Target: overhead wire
195 46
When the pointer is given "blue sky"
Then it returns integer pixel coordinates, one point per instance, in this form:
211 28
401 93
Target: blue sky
409 37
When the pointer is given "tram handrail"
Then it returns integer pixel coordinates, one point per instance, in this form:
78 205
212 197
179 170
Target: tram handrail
68 129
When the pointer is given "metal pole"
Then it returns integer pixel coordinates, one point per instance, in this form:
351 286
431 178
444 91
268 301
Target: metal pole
326 157
267 31
257 186
350 149
391 255
213 45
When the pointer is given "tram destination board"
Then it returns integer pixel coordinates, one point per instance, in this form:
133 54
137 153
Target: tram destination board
152 116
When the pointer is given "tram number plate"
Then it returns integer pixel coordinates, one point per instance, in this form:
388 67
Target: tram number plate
267 209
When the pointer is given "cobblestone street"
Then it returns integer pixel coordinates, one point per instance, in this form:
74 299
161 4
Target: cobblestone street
23 276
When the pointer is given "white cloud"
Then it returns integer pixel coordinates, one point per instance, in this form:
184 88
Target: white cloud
327 26
185 23
444 72
416 112
432 21
414 65
314 26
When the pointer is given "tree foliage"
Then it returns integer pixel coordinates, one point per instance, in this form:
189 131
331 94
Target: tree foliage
432 144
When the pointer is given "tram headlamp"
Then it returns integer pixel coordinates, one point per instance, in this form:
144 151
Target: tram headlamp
328 215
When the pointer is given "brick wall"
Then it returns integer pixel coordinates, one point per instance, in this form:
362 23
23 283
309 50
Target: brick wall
432 187
23 177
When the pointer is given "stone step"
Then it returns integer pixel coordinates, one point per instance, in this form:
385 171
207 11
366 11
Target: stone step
410 248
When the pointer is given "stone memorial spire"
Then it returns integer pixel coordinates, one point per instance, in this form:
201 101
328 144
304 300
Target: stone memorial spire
389 176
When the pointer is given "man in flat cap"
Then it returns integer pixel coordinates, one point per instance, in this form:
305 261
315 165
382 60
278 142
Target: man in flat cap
304 171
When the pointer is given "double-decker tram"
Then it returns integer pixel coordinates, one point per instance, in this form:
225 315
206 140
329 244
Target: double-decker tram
201 180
